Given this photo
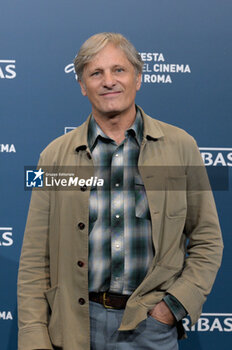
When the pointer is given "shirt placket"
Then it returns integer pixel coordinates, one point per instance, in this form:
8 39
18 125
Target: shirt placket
117 221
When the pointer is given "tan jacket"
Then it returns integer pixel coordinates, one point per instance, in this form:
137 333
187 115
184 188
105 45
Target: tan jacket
53 306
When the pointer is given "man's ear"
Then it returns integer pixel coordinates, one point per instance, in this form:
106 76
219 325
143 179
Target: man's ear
138 81
83 88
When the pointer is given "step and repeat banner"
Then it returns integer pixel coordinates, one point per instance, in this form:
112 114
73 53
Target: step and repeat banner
186 49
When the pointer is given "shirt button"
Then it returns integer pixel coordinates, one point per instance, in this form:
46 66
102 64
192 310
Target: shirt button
83 188
81 225
117 245
80 263
117 216
116 155
81 301
116 185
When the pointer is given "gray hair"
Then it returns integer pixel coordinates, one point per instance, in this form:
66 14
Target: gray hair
97 42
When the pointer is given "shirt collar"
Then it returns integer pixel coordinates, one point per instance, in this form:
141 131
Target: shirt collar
94 130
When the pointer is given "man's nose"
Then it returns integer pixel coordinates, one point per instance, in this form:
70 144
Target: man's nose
109 80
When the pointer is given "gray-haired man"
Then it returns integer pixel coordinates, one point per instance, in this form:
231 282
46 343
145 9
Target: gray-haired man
107 268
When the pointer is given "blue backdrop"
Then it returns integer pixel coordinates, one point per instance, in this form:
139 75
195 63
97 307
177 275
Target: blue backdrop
186 48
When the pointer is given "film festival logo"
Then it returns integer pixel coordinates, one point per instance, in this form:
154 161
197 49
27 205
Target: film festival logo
156 70
7 69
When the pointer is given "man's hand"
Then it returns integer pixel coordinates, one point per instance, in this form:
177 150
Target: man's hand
162 313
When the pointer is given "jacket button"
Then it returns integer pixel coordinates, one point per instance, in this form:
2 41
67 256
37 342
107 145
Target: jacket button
81 301
80 263
83 188
81 225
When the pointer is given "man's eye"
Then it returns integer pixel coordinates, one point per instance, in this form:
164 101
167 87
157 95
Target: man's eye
95 73
119 70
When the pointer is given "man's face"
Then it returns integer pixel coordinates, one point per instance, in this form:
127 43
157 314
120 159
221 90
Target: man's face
110 82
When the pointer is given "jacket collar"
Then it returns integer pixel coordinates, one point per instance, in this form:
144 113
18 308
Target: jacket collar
81 139
152 131
94 130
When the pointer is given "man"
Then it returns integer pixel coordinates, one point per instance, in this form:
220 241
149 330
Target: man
118 267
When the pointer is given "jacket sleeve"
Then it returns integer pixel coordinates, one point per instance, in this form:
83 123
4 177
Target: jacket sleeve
205 246
34 276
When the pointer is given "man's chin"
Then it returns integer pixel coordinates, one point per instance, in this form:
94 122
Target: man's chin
111 112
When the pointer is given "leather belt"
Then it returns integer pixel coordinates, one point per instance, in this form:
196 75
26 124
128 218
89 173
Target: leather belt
109 300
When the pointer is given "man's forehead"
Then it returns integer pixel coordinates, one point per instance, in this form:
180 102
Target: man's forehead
109 54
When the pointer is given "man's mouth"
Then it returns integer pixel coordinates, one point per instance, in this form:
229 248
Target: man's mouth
110 93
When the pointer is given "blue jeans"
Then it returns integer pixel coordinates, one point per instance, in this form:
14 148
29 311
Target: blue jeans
149 335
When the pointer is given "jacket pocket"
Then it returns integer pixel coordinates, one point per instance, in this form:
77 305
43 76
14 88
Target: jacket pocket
176 205
156 284
141 202
54 325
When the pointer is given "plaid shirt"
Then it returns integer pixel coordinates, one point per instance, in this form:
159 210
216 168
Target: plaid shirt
120 242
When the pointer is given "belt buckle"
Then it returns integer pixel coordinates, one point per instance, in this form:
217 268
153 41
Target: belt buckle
104 302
